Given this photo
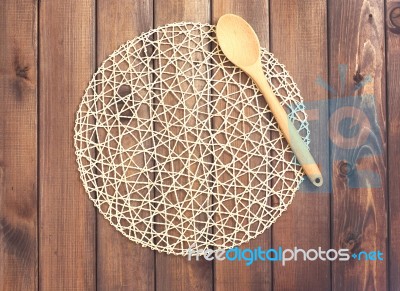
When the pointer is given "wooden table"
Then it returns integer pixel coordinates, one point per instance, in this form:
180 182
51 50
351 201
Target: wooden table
51 237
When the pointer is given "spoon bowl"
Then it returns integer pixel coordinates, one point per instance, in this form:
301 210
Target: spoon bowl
238 40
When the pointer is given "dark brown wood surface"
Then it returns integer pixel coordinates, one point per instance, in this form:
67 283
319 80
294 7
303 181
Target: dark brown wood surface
67 222
117 258
18 146
359 196
51 237
393 125
303 49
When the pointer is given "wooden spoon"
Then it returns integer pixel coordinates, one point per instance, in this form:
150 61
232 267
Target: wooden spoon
241 46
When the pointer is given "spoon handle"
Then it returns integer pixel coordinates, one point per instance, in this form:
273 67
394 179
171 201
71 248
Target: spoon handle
290 133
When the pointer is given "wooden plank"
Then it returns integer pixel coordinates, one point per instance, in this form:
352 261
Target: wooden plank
302 48
393 93
358 150
18 145
118 258
235 275
176 272
67 249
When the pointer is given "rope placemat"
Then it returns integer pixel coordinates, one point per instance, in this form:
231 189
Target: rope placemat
177 148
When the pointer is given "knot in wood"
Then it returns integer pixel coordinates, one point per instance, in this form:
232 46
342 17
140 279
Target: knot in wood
352 242
22 72
394 17
345 168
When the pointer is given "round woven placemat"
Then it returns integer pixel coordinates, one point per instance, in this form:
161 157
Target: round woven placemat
177 148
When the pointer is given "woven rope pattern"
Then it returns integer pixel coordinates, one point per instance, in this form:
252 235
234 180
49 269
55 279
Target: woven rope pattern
177 148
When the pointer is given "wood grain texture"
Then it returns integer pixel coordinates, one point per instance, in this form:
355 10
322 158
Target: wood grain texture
393 111
302 46
358 149
121 263
67 218
18 146
48 237
176 272
236 275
